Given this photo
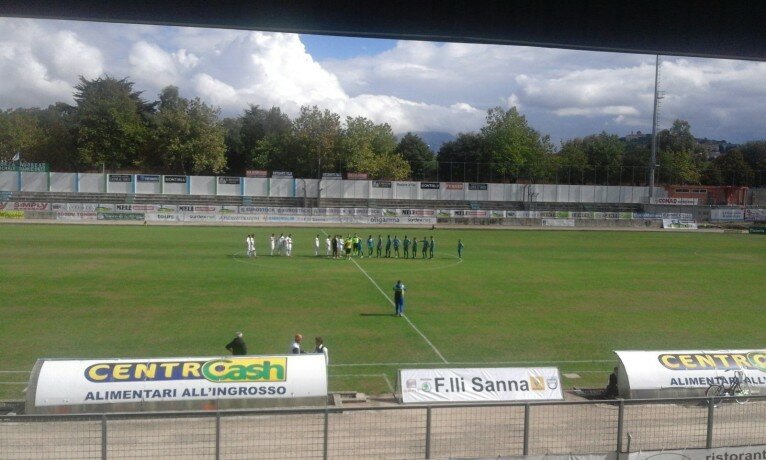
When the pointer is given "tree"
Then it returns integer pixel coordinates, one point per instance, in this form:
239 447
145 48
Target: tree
188 136
263 135
678 167
112 123
19 133
592 159
369 148
419 156
462 159
317 134
516 149
730 169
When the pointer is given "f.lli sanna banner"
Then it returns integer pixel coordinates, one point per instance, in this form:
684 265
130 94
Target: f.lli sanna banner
480 385
76 382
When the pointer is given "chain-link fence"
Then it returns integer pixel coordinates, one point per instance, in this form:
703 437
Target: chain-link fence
406 432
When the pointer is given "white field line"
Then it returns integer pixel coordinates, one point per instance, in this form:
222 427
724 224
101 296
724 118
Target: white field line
384 376
403 315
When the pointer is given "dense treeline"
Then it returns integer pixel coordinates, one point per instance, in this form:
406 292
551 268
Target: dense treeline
113 127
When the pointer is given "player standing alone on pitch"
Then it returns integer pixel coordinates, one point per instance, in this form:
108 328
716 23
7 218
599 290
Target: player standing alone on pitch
316 245
460 249
399 298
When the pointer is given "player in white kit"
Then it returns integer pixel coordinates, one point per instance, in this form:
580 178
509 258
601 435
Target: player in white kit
272 242
316 245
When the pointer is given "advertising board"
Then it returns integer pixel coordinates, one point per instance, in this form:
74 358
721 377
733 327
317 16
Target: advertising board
332 176
147 178
678 224
121 216
82 382
755 215
356 176
381 183
120 178
256 173
229 180
675 201
282 174
688 372
430 185
174 179
754 452
475 186
727 214
480 385
454 186
558 222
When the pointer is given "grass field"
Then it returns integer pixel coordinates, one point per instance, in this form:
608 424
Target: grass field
562 298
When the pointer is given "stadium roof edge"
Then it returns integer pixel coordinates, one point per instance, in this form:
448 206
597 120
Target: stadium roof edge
719 29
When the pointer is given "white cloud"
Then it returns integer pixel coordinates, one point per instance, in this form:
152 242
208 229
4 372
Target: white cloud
413 86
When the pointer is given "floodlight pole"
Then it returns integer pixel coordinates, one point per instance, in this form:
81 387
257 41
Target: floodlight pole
653 159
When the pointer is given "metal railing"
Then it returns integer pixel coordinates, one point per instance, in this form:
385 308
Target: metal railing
410 432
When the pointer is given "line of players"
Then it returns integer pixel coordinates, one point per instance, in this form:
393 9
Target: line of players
283 245
352 246
337 246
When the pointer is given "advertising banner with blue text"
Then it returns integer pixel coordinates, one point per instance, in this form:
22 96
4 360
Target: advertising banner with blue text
75 382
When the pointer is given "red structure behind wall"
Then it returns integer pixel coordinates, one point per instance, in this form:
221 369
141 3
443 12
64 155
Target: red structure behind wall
710 194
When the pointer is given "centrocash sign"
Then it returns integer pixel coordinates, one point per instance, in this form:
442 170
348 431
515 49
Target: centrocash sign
714 361
648 371
216 370
73 382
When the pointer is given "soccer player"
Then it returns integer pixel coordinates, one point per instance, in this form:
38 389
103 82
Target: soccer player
414 247
425 247
252 245
406 247
388 246
431 246
460 249
380 246
396 246
289 244
316 245
328 246
357 242
399 298
248 245
272 242
370 244
347 246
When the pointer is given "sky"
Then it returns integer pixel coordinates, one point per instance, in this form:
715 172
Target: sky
411 85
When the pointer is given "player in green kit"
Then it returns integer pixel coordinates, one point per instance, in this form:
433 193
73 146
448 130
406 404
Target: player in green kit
425 247
380 246
388 246
414 247
406 244
370 244
431 247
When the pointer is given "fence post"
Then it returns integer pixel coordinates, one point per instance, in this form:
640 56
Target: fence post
217 435
103 437
620 424
710 413
526 429
428 432
326 439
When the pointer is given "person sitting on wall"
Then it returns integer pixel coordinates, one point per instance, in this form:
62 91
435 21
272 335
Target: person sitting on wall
611 391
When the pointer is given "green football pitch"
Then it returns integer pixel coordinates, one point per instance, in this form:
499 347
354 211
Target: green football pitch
518 298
